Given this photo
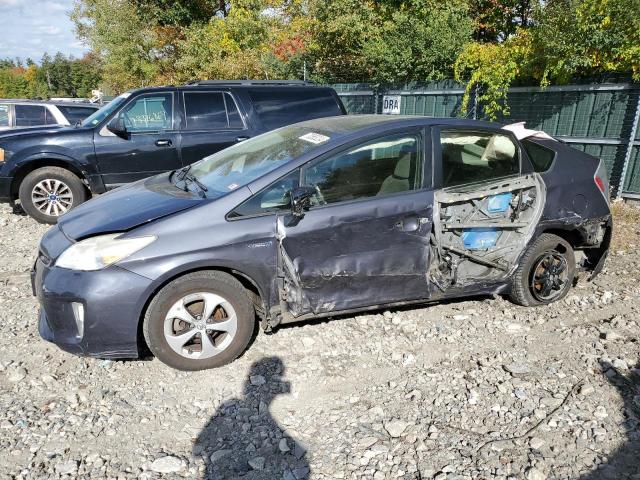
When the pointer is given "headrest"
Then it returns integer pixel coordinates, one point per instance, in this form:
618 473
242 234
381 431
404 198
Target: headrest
403 167
499 147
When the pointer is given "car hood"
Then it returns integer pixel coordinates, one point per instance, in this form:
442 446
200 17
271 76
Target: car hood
31 131
126 208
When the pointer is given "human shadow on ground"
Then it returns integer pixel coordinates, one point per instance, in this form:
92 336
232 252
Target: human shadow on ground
623 463
243 440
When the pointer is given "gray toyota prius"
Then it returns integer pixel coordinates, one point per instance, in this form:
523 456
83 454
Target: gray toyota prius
317 219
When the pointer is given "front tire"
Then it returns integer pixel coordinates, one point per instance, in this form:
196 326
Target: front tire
200 320
47 193
545 273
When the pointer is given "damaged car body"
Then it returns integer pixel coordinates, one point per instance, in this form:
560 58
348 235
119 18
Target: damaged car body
317 219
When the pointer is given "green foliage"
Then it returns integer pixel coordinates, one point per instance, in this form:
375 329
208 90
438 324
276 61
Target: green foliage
389 41
568 39
115 30
54 77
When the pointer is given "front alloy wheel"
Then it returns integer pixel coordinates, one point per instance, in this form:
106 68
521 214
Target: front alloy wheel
52 197
200 325
49 192
200 320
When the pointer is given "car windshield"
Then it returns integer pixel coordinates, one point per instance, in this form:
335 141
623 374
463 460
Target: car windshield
242 163
99 115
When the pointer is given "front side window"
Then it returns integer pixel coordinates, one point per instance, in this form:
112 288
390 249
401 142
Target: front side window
30 115
389 165
4 115
149 113
475 156
275 198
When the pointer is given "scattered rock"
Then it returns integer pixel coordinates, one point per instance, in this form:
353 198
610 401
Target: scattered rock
167 464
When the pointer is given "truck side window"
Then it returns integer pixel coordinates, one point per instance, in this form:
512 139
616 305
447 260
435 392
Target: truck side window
211 111
149 113
30 115
4 115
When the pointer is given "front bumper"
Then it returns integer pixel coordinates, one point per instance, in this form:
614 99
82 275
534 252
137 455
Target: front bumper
112 300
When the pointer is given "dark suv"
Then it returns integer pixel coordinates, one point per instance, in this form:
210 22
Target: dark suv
146 132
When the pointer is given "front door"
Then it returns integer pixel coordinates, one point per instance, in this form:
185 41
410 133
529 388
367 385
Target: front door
152 145
366 241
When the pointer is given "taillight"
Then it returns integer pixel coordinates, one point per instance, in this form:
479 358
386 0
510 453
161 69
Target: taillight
602 180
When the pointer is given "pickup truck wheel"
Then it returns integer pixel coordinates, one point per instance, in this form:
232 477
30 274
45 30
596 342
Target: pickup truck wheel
198 321
545 273
47 193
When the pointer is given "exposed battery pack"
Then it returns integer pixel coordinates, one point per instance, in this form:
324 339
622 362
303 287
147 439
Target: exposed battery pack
480 238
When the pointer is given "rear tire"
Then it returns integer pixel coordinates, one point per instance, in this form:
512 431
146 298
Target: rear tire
545 273
179 332
49 192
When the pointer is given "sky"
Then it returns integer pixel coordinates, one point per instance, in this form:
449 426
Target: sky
29 28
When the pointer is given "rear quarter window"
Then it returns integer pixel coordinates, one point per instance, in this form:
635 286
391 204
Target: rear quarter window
4 115
75 114
277 108
541 157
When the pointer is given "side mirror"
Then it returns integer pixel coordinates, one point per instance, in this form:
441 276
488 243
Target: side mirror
301 200
117 127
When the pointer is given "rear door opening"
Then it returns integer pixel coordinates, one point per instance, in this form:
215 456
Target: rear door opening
487 211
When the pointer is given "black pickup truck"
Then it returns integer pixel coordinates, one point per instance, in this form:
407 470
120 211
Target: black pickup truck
145 132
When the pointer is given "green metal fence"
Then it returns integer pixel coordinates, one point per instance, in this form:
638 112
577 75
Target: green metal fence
600 119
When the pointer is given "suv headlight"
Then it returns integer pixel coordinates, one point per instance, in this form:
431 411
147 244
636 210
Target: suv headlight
99 252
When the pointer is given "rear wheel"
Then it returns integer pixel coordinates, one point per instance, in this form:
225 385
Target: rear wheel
47 193
201 320
545 273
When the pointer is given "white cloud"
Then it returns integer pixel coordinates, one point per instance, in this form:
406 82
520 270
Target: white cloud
32 27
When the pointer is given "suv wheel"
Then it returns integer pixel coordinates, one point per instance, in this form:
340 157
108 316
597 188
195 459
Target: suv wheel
198 321
47 193
545 273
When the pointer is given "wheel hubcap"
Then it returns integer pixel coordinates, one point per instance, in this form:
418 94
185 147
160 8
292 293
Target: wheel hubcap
52 197
200 325
549 276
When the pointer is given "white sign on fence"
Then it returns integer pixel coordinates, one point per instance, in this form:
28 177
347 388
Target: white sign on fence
391 104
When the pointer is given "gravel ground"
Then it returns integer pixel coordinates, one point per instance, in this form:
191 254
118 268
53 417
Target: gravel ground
462 390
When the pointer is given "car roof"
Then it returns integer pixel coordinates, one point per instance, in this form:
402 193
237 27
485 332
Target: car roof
236 85
356 125
49 102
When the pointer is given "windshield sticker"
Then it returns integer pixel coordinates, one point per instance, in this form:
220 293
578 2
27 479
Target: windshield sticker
313 137
232 186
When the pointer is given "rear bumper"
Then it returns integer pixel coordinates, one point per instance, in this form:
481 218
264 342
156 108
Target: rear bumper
90 313
5 188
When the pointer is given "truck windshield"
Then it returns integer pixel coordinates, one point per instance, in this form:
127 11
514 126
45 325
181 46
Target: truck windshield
99 115
242 163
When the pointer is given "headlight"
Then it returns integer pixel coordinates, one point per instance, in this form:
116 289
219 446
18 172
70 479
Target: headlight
1 155
98 252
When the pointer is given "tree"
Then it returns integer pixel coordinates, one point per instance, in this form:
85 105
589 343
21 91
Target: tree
569 39
394 41
114 30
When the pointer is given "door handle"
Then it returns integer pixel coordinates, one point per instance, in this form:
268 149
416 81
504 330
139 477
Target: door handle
163 143
241 139
408 224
